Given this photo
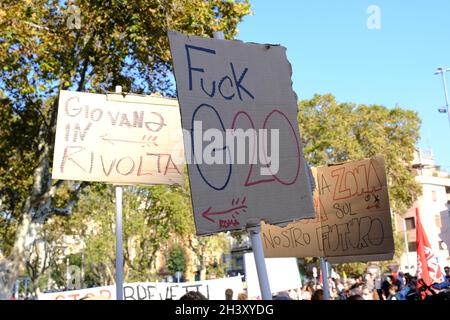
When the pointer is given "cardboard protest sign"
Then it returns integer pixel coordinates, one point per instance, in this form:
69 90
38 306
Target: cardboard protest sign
353 216
118 139
211 289
242 142
297 239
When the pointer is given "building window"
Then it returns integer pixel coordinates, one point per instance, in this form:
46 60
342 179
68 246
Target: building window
433 195
412 246
410 223
437 219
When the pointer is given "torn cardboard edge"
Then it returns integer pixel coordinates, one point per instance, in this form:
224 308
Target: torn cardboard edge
178 33
178 41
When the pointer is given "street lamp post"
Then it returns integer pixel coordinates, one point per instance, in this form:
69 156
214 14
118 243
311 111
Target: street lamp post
82 270
442 71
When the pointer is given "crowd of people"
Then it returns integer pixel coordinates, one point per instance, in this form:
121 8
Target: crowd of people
394 287
397 286
196 295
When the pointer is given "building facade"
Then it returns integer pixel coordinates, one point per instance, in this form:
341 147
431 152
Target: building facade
433 206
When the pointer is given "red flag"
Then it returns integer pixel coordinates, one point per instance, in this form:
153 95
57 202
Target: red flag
321 279
427 265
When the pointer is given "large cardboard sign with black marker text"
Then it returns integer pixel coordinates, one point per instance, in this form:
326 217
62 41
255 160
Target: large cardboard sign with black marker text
231 93
353 217
118 139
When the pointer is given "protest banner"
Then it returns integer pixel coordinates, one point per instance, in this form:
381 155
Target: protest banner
353 217
242 142
211 289
118 139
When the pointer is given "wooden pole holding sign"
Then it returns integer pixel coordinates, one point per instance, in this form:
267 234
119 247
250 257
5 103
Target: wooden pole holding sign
258 253
324 271
255 236
119 244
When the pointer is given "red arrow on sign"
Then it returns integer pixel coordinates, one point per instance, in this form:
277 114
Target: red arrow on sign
207 213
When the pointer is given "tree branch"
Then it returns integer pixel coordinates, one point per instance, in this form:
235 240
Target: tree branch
37 26
32 104
83 75
67 210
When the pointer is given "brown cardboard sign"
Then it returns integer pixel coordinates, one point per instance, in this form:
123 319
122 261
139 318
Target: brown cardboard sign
229 92
118 139
353 216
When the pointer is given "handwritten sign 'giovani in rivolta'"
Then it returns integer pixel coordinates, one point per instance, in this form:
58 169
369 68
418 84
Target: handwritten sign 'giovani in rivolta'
211 289
242 141
118 139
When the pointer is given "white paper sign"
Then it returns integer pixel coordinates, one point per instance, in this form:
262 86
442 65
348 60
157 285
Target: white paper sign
117 139
283 275
242 143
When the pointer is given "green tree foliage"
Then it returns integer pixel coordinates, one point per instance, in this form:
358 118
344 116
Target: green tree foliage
352 270
206 248
47 46
47 250
176 260
152 217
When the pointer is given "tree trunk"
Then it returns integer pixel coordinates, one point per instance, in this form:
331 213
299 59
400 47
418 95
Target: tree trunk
35 287
35 210
110 275
11 266
38 205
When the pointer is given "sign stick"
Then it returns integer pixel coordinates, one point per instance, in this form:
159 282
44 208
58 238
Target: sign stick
119 245
324 271
255 235
258 253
